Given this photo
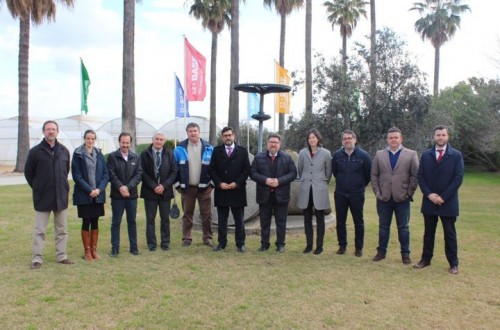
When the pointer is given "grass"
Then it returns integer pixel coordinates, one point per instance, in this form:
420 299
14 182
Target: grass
190 288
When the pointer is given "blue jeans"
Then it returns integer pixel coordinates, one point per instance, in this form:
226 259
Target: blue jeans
117 208
402 213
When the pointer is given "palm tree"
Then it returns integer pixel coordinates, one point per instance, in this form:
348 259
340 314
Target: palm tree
35 12
309 103
283 8
128 75
439 20
345 14
214 15
234 75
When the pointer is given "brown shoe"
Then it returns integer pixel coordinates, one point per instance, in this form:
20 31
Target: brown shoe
208 243
379 256
406 259
66 262
422 264
453 270
341 250
36 265
358 253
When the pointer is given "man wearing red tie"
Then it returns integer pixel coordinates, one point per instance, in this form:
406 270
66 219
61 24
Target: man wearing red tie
440 175
229 169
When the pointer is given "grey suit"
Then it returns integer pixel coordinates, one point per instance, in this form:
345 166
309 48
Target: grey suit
394 189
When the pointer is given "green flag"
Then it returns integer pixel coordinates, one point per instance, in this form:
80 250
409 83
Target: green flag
85 87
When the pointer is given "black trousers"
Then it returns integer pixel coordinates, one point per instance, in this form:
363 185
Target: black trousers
450 238
280 211
308 223
151 206
239 233
355 203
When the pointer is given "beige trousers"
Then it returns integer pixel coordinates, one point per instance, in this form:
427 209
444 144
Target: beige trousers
60 235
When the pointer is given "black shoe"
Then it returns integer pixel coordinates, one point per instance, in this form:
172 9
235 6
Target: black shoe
422 264
186 243
242 249
36 265
379 256
66 262
165 248
406 258
308 249
318 250
114 253
135 252
263 248
358 253
152 249
341 250
280 248
218 248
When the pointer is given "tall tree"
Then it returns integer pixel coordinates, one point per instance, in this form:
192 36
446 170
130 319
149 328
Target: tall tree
234 100
373 55
309 102
214 15
29 12
439 20
283 8
345 14
128 75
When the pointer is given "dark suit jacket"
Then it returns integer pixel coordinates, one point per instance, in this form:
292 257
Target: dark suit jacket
443 178
167 172
284 170
230 169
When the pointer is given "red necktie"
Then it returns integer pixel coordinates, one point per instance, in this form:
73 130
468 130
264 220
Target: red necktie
272 159
440 155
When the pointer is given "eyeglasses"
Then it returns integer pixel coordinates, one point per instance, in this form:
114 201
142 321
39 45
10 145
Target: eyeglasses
273 142
227 135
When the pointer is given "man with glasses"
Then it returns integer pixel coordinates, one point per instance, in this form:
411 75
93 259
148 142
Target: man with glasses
229 169
351 167
273 171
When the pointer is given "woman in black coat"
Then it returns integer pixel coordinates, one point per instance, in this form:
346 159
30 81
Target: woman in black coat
90 174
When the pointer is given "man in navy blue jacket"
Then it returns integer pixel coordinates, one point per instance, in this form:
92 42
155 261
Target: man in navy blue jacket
351 167
440 176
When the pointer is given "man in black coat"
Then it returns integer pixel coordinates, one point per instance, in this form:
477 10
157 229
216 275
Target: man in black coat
46 171
159 172
125 173
229 169
273 171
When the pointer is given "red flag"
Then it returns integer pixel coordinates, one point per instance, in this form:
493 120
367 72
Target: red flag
196 88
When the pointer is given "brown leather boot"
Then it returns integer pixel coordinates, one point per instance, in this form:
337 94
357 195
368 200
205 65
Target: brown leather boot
94 235
86 245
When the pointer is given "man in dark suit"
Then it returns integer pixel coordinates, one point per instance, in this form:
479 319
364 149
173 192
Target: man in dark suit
229 169
159 172
440 175
394 181
273 171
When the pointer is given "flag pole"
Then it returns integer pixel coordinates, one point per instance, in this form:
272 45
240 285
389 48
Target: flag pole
175 107
185 87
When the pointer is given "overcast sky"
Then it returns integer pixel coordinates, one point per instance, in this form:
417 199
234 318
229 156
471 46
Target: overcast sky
93 31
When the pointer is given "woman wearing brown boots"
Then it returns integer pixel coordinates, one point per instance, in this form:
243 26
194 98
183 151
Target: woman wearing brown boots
91 177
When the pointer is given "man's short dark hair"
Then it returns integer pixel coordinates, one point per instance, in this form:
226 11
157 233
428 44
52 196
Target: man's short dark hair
273 135
348 131
441 127
124 134
225 129
394 129
191 125
50 122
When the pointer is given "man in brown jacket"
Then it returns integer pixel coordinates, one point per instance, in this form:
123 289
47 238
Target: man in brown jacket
394 181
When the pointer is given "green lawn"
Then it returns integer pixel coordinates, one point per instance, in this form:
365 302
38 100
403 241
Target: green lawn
190 288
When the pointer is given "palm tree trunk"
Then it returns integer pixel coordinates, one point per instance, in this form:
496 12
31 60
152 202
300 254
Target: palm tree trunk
281 116
373 56
23 137
436 70
128 84
309 104
234 109
212 136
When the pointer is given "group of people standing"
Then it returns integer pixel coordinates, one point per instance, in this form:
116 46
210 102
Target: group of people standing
195 168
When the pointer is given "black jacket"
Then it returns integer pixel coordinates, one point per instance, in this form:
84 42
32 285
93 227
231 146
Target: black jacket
167 174
46 171
124 173
230 169
284 170
352 173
